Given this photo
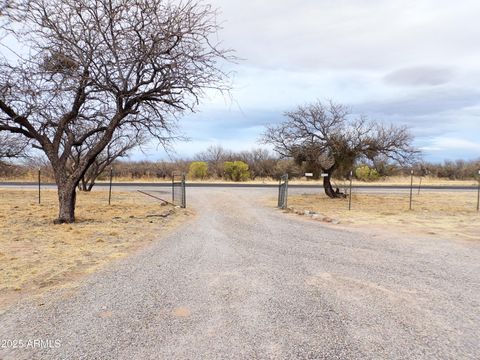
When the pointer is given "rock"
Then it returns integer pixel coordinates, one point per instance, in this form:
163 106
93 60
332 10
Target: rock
315 216
327 219
163 215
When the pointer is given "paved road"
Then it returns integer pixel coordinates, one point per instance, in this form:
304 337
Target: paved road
243 281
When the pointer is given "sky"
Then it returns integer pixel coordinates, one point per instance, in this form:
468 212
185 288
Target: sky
413 63
405 62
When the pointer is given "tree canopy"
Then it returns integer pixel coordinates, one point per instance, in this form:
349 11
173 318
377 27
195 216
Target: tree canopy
95 68
328 139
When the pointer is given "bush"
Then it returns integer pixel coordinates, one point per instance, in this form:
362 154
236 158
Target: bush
364 173
236 171
198 170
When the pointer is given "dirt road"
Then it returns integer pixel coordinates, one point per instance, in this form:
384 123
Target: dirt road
244 281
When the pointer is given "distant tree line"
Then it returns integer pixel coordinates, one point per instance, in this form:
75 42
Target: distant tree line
217 162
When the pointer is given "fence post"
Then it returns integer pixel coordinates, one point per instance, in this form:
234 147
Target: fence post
173 188
350 192
110 188
184 195
39 182
283 192
280 192
411 188
478 192
286 191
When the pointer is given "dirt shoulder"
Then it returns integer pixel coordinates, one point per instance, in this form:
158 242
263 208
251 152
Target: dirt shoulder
36 255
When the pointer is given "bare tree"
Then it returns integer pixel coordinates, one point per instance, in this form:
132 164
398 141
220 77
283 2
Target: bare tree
118 147
326 138
215 156
6 7
96 67
12 146
9 10
260 162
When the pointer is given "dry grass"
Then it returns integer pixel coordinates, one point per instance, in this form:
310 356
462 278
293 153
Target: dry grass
445 214
397 181
35 254
388 181
424 181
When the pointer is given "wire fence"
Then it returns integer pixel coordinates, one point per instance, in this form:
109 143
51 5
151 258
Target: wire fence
376 199
179 197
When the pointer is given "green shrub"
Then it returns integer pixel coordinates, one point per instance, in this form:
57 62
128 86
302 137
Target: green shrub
365 173
236 171
198 170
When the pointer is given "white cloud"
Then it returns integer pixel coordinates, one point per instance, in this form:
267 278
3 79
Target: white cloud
445 144
412 62
420 76
354 34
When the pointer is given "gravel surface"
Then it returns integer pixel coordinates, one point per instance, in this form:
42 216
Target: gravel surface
244 281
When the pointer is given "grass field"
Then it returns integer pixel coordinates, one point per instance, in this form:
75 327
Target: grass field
444 214
35 254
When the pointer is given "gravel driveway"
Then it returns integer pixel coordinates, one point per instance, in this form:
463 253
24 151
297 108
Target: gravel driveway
244 281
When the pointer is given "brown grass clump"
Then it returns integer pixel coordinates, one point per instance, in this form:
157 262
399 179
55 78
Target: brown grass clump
445 214
35 254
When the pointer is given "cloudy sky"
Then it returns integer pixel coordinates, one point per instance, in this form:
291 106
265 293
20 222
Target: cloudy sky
406 62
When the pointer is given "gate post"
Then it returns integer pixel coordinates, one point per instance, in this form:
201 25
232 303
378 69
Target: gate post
283 192
184 195
173 188
179 184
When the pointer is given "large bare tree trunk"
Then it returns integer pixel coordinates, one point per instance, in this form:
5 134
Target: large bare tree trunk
327 186
86 185
82 185
66 199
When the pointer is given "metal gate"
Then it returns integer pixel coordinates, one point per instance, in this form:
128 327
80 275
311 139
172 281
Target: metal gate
283 192
179 197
